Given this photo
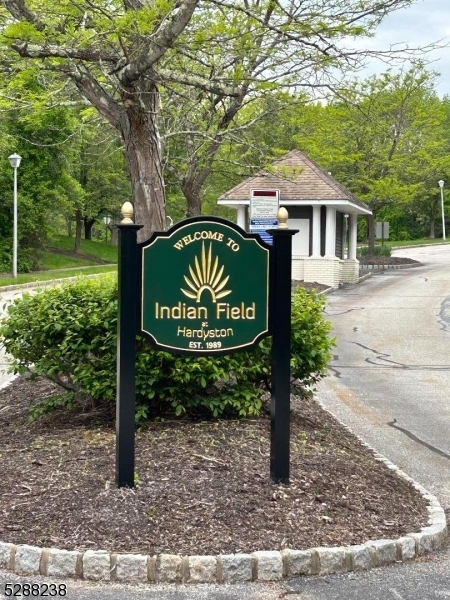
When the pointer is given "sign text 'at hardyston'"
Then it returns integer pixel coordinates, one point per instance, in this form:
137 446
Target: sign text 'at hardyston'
205 288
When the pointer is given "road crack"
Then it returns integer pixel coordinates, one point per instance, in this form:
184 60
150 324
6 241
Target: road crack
417 439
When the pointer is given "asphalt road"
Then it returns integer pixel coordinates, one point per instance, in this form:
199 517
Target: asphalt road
390 381
390 375
5 299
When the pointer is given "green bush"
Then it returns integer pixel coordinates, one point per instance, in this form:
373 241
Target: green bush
379 250
69 333
28 259
402 236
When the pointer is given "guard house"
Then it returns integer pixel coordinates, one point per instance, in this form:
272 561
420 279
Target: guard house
323 211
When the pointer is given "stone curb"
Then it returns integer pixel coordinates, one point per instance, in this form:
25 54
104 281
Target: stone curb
261 566
258 566
386 267
364 277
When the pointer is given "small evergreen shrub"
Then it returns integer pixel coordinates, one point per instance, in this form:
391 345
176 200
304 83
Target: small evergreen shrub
379 250
69 334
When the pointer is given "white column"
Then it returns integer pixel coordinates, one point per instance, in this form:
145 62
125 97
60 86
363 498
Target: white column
330 232
241 220
316 230
352 236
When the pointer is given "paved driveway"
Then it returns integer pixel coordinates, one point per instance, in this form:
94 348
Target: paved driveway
390 381
5 299
390 375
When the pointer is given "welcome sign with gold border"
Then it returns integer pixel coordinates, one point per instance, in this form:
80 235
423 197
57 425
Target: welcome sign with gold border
204 288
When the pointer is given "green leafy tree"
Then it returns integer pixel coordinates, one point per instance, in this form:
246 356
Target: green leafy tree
118 55
380 138
43 180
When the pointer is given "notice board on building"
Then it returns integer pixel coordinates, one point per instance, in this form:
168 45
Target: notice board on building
264 205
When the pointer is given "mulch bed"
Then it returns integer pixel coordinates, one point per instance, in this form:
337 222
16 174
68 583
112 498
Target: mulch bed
310 286
203 487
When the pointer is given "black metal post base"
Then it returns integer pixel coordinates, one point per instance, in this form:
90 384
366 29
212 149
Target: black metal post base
127 324
281 269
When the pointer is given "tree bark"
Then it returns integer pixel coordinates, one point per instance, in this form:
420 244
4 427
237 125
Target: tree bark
433 210
78 230
193 198
88 224
432 223
371 219
114 235
69 223
139 130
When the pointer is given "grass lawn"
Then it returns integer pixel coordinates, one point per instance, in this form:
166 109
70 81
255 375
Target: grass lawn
91 247
395 244
51 275
51 261
60 266
415 242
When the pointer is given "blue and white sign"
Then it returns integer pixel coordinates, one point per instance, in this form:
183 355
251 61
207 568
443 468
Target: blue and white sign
262 224
264 205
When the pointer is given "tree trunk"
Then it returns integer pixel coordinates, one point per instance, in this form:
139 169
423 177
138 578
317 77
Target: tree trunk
78 230
88 224
139 130
69 224
114 235
371 219
432 223
193 198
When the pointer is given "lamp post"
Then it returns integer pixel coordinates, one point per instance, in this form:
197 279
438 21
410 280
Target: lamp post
14 160
441 185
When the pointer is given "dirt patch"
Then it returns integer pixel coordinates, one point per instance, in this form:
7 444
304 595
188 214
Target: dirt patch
203 487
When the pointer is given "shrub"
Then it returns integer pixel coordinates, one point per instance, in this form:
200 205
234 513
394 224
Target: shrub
379 250
28 259
402 235
69 334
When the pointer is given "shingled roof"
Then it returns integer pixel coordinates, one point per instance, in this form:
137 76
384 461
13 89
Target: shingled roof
299 179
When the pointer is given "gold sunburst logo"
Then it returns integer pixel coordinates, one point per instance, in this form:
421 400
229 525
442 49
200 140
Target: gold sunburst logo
206 276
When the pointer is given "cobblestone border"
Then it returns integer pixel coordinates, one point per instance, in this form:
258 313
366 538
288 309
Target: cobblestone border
364 267
99 565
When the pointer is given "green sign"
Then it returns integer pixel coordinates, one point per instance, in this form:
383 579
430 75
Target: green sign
205 288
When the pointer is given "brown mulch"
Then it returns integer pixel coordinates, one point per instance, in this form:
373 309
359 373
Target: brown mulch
310 286
203 487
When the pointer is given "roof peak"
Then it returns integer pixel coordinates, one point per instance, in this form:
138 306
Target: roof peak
307 181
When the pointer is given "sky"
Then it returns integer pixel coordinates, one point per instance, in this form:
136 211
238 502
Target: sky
422 23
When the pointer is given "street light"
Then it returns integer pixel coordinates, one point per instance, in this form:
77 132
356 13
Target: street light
14 160
441 185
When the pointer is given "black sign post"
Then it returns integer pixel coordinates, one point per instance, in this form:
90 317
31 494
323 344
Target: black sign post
209 305
281 267
127 327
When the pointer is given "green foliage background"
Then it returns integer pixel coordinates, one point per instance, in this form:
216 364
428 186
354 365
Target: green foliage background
69 335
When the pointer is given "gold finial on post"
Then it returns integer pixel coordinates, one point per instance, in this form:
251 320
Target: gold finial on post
282 217
127 213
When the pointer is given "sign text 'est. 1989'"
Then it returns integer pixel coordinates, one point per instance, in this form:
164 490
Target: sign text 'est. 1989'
205 288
